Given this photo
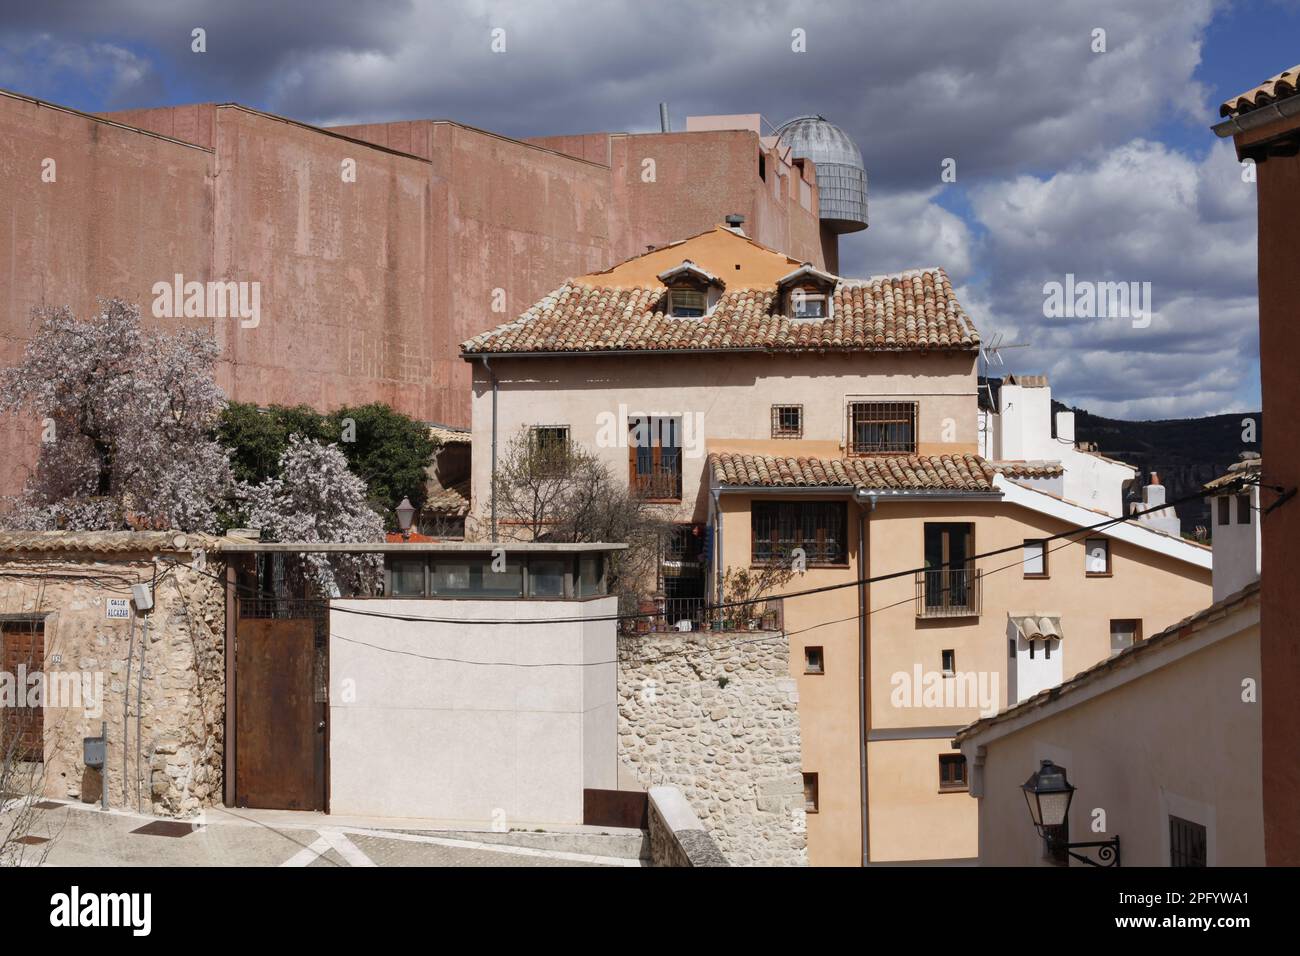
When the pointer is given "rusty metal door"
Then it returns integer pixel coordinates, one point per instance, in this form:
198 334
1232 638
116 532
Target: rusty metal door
22 654
280 708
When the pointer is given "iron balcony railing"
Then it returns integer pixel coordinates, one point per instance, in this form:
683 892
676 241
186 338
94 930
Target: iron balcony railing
660 483
696 614
949 592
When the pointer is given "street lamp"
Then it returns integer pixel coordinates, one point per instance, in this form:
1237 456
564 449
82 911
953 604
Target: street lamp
405 515
1049 792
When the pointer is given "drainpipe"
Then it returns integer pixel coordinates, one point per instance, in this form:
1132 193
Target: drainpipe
488 368
864 569
714 589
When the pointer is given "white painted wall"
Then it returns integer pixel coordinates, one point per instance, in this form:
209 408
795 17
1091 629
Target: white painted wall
1026 675
1022 431
450 721
724 401
1236 546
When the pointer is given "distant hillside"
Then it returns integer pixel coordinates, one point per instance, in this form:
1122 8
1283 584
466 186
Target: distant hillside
1187 452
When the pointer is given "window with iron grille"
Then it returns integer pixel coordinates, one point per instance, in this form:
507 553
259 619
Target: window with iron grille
818 527
1187 842
655 457
548 447
787 421
882 427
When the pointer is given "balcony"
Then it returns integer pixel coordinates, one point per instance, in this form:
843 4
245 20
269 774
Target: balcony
696 614
659 483
949 592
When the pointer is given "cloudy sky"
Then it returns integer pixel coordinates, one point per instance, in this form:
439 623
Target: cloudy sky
1069 159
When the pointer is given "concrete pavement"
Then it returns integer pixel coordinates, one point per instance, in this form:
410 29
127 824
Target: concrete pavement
83 836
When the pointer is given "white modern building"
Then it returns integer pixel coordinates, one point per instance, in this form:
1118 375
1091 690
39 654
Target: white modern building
1016 426
481 688
1235 512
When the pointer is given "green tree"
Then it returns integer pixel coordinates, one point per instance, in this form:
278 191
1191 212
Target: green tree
386 449
390 451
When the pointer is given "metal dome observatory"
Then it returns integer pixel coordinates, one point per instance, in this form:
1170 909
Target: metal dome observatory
841 174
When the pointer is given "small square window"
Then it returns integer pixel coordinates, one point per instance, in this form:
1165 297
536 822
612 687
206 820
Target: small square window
1243 509
810 792
1035 558
548 449
1097 556
813 661
952 772
1124 634
948 660
406 577
787 421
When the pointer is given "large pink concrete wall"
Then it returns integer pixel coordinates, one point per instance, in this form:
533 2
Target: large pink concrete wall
698 179
367 287
126 210
347 303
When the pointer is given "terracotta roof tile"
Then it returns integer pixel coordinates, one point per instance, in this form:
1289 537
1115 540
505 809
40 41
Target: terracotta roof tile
908 311
1028 469
453 501
1279 87
447 435
1237 474
891 473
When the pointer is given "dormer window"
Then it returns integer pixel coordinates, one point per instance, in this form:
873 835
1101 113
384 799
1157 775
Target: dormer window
692 291
807 305
807 292
686 303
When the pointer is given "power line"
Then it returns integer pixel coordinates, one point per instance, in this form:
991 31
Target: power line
1076 530
775 635
639 615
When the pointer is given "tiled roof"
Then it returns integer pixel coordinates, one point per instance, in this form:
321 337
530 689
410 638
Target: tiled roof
914 310
1028 469
892 473
102 542
1236 474
1027 381
447 435
1184 628
453 501
1279 87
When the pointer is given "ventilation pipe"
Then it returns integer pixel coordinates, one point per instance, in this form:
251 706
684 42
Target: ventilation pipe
664 125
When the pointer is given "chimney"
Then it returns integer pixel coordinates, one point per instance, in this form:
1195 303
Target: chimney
734 221
664 125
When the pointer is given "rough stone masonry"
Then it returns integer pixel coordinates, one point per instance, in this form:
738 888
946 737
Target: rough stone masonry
717 715
169 726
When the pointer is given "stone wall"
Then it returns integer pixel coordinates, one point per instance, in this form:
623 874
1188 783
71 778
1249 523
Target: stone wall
676 835
716 715
173 765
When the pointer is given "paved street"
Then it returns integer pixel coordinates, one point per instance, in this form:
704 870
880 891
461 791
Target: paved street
81 836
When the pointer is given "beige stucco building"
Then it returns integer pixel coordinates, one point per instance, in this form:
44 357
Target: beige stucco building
782 415
1162 743
1163 739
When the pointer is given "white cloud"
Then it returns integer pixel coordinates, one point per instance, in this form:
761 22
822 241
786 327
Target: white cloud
1140 213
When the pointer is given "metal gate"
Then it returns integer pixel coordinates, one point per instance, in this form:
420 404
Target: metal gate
281 704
